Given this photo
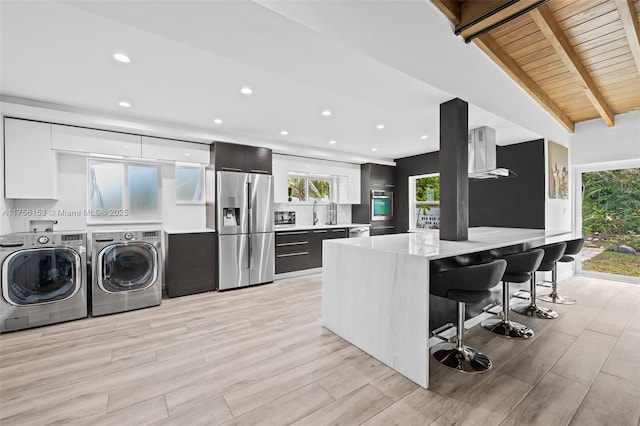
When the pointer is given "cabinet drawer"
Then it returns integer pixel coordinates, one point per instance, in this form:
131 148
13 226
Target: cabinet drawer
337 233
292 246
291 236
294 261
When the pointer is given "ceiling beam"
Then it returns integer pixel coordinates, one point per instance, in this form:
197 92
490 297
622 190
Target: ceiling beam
492 49
543 17
449 8
628 16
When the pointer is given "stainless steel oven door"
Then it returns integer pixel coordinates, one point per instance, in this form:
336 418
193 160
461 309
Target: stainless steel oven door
381 205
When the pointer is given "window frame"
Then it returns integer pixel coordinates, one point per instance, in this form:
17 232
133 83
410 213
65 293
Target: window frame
202 169
413 203
333 187
126 201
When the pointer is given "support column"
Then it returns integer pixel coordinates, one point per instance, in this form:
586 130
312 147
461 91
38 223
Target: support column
454 176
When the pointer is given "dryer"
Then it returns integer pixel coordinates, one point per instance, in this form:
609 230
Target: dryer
127 271
43 279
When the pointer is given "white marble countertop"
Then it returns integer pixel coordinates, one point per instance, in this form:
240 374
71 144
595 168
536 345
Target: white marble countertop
278 228
428 244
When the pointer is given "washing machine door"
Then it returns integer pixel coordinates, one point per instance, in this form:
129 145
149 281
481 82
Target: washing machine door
43 275
127 267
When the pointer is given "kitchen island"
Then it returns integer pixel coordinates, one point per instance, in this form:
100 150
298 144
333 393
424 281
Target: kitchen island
375 291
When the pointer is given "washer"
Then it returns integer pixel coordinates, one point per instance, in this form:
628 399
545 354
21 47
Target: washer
127 271
43 279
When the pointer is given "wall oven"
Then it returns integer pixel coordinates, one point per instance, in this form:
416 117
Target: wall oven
381 205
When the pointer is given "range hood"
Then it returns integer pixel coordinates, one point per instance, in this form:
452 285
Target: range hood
482 155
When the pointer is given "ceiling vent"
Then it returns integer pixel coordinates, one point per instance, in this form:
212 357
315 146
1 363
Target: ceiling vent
482 155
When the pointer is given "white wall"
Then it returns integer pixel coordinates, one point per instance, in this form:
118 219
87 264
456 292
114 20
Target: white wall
72 196
594 142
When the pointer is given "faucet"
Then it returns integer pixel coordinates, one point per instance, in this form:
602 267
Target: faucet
315 215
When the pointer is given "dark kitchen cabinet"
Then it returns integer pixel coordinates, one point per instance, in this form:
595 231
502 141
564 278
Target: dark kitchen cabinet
382 228
241 158
299 250
190 263
382 176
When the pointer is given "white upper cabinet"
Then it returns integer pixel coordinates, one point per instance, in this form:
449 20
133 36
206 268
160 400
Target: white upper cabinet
353 183
172 150
280 178
78 139
31 167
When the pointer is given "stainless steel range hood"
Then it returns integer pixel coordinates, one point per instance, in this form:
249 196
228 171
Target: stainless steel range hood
482 155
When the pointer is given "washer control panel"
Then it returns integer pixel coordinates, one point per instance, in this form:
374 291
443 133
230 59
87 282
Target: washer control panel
43 240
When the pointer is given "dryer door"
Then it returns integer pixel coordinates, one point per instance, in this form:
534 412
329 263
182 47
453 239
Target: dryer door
127 267
43 275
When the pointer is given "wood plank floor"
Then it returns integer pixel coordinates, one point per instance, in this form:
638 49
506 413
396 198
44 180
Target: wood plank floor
260 356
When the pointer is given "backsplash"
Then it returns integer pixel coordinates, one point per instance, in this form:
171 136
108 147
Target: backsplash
304 212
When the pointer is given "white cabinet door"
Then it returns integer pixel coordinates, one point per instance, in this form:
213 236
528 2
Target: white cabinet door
305 165
171 150
31 167
280 178
78 139
353 176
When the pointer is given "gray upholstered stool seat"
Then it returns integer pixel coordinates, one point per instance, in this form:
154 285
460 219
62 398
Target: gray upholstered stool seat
552 253
520 267
573 248
464 284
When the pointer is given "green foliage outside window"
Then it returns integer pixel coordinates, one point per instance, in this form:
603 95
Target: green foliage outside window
611 202
309 189
428 188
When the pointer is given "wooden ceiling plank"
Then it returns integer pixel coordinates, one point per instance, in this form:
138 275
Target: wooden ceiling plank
529 66
535 72
492 49
554 33
600 41
586 15
517 33
570 9
611 18
629 18
615 53
603 48
593 34
450 9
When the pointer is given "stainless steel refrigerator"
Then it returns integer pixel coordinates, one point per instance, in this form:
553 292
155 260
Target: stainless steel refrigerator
246 249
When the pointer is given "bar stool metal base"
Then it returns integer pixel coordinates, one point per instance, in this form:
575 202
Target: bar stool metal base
467 360
556 298
535 311
510 329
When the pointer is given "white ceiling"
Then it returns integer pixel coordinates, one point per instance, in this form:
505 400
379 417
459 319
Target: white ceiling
190 59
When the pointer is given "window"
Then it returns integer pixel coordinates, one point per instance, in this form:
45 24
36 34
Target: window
123 192
309 189
189 184
424 201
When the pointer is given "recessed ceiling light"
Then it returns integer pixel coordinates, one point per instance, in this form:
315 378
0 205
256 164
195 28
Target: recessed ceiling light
284 133
186 154
217 121
124 104
326 113
332 142
246 90
121 57
424 137
374 149
380 126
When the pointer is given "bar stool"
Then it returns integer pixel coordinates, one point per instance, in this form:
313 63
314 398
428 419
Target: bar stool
552 253
573 248
520 267
464 284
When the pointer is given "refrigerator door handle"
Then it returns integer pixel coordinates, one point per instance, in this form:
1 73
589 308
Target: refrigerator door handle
250 253
250 208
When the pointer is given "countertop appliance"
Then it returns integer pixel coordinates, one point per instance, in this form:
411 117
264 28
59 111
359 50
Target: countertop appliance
285 218
360 231
381 205
43 279
127 271
246 238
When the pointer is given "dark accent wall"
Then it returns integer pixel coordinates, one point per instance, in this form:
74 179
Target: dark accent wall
410 166
516 202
